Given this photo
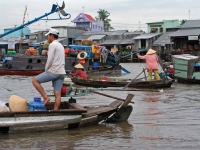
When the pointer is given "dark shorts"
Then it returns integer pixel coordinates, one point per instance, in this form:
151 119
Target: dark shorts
57 79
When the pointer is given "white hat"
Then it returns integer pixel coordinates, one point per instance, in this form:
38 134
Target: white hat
52 31
171 66
151 51
79 66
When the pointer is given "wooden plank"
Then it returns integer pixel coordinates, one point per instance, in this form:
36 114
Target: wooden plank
77 106
99 110
116 104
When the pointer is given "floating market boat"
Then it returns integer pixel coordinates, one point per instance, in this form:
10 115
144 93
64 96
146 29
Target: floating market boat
69 115
186 68
120 82
31 65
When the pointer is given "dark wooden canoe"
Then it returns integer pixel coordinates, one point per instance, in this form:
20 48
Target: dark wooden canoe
111 82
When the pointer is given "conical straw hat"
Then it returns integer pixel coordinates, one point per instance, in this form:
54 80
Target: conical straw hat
151 51
17 103
79 66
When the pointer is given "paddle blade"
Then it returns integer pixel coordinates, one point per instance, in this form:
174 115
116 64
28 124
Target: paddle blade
123 69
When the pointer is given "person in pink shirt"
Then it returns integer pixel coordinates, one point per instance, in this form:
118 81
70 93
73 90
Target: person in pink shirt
80 72
151 63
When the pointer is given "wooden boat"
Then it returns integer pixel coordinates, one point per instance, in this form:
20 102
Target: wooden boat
119 82
31 65
186 68
69 115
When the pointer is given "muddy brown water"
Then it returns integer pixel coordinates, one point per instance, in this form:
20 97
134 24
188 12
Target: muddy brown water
160 120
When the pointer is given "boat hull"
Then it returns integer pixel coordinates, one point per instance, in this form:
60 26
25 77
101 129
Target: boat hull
34 65
70 115
135 84
20 72
39 123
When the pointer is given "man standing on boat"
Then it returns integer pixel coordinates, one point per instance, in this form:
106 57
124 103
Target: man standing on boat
151 63
54 69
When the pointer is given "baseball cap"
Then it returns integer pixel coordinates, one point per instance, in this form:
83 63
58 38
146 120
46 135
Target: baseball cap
52 31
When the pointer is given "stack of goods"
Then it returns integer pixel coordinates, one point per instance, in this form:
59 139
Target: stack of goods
185 48
196 47
191 48
31 51
87 42
95 51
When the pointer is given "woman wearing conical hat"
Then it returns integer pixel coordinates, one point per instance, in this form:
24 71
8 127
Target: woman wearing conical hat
80 72
151 63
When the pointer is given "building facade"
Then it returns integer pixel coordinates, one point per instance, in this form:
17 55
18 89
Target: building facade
187 38
161 27
88 23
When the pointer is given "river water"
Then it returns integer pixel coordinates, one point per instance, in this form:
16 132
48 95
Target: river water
160 120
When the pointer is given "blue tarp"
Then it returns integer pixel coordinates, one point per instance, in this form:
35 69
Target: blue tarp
34 45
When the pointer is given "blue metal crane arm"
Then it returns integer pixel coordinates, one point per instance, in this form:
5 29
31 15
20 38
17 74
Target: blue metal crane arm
54 9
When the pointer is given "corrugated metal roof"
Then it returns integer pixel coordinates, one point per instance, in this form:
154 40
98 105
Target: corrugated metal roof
96 37
163 39
120 32
117 42
127 41
146 36
133 33
110 42
89 17
59 39
186 32
82 37
191 24
96 33
117 32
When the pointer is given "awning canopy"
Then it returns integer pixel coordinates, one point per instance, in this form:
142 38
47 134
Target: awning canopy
96 37
186 32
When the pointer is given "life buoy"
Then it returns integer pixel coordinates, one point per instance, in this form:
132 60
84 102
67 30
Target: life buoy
82 58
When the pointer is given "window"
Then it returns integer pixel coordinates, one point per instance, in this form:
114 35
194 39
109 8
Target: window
161 29
143 43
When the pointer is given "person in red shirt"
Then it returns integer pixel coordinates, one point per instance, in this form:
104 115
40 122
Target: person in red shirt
80 72
171 69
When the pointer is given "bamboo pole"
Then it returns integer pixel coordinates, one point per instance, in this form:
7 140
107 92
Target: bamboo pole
117 98
134 79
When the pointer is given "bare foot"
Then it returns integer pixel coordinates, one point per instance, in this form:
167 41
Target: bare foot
46 100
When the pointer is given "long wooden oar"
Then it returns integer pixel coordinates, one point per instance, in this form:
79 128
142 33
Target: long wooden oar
134 79
148 90
117 98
